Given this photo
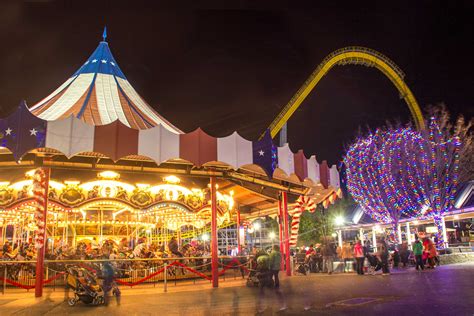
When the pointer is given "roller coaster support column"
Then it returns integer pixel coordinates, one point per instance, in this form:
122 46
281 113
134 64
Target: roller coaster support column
284 201
40 252
214 254
281 234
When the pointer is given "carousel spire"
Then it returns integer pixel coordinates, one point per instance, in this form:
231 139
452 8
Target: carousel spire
99 93
104 34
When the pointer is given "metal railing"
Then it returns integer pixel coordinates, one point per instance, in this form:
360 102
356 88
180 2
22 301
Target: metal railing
127 272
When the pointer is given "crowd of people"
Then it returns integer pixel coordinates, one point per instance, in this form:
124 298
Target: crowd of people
363 258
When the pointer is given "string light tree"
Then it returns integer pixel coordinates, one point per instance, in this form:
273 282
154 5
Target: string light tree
397 172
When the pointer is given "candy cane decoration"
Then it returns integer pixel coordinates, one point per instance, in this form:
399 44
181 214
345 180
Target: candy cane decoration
303 203
40 192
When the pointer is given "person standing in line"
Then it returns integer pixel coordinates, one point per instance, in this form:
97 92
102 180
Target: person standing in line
418 253
359 256
432 254
328 253
404 253
347 256
384 257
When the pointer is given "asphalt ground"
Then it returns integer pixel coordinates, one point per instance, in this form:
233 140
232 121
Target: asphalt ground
447 290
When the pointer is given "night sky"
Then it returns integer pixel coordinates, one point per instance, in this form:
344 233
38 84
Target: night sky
225 69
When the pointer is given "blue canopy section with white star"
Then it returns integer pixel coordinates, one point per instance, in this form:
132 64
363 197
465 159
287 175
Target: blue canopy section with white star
101 61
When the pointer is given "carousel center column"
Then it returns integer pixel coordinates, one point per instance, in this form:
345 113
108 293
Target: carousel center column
214 254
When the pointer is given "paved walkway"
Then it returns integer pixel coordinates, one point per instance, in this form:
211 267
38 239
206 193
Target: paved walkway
448 290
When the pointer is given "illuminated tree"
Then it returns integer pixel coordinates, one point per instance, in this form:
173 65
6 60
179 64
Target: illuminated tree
397 172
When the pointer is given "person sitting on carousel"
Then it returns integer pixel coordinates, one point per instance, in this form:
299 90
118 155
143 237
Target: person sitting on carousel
9 252
123 245
174 248
139 250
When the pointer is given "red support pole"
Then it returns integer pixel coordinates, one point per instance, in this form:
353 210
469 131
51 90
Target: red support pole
281 234
286 226
40 252
239 247
214 254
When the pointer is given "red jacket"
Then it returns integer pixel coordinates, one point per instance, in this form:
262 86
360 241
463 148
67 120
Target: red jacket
358 251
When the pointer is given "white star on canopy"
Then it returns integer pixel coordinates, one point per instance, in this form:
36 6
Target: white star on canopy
33 131
261 152
8 131
94 60
104 61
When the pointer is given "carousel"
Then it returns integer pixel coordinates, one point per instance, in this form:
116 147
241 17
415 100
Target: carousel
108 208
93 161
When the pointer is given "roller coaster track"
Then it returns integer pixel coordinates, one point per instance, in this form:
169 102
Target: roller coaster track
353 55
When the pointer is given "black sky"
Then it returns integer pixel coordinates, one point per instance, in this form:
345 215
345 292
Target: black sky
234 69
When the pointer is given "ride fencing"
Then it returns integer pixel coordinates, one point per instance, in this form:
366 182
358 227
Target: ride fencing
127 272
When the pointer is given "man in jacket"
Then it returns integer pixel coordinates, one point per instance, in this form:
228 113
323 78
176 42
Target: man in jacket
418 252
275 262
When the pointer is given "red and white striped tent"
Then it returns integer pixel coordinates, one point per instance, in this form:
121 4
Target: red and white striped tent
97 112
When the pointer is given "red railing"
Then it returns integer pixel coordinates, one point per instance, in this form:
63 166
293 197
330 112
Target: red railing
129 272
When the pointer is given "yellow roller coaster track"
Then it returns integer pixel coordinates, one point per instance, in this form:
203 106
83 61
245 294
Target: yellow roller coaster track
353 55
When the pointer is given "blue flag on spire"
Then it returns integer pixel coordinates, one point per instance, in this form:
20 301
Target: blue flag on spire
104 34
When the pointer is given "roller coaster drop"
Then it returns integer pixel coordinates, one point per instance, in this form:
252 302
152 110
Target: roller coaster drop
354 55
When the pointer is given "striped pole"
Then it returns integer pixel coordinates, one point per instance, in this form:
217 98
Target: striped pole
40 193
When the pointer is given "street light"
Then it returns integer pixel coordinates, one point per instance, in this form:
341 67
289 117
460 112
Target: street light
339 221
272 237
257 226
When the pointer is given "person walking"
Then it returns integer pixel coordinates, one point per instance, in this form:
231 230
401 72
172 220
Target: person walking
275 264
359 256
268 267
418 253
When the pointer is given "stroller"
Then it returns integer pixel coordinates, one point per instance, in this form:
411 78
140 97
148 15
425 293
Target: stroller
374 263
85 286
302 267
260 274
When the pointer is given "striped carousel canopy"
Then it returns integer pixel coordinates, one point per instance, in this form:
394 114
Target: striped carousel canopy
99 93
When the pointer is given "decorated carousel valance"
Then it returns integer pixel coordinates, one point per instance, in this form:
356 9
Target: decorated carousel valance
168 203
22 132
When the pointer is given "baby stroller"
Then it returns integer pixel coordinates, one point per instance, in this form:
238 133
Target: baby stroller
85 286
302 267
374 263
260 274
